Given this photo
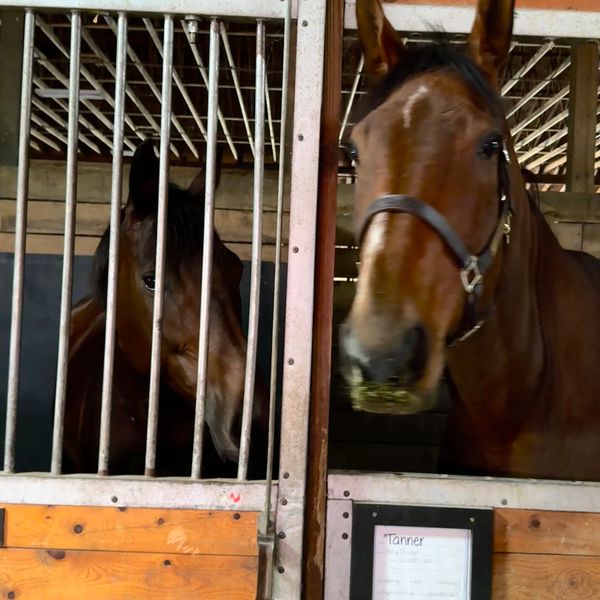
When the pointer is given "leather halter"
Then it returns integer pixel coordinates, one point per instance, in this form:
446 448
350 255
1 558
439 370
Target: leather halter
472 267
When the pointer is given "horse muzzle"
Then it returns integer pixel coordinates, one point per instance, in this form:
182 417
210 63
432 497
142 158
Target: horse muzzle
385 380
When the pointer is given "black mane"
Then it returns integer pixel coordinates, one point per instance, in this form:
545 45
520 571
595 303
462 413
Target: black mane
185 228
436 56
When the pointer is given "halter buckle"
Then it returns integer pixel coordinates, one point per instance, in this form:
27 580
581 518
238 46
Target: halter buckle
470 275
507 228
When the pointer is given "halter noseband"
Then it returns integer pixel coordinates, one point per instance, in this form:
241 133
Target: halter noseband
472 267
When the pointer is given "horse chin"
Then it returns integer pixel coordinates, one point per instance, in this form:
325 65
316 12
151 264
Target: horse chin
389 399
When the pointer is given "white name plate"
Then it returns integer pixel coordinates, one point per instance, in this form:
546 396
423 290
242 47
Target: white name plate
421 563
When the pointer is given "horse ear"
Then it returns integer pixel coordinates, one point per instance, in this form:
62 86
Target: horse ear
143 178
489 41
197 186
382 45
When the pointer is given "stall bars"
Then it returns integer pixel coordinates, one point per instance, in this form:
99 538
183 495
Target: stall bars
240 494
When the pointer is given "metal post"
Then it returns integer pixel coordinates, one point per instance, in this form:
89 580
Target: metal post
207 248
259 153
69 241
161 231
14 361
113 252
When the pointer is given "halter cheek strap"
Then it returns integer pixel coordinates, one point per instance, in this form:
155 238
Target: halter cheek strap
472 267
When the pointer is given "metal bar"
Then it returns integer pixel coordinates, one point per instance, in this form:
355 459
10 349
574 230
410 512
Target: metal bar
236 84
47 29
44 138
82 120
148 79
259 138
207 247
540 111
178 81
141 492
161 234
69 240
263 523
299 299
270 118
55 117
43 60
203 73
130 93
116 189
355 83
14 360
539 87
547 126
563 159
257 9
534 60
47 127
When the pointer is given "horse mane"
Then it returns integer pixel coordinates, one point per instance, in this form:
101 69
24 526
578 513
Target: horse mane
439 55
185 227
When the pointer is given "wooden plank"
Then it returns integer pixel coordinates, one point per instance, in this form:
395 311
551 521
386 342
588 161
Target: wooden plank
546 532
79 575
583 106
316 485
591 239
545 577
568 235
132 529
47 217
47 182
572 207
86 246
582 5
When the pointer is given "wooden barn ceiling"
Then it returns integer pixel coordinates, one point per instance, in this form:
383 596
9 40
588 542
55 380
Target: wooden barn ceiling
535 89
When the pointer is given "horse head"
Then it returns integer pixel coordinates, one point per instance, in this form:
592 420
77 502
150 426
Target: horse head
182 292
432 205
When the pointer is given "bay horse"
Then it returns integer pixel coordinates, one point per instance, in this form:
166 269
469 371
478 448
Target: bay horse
179 351
459 271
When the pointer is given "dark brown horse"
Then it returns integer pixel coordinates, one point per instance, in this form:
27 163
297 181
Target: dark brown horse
459 269
179 361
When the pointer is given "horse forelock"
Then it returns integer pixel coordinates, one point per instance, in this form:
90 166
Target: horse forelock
436 56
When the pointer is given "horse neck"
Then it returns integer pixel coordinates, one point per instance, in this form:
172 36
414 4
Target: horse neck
501 365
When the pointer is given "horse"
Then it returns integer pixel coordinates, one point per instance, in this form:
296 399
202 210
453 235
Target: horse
179 348
459 272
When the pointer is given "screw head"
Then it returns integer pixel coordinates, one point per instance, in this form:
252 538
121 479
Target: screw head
304 23
300 137
283 501
281 535
286 475
504 501
237 516
346 493
78 528
114 499
280 570
295 249
167 562
345 515
344 536
290 361
160 521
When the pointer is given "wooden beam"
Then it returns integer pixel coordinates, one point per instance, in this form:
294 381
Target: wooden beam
316 484
583 106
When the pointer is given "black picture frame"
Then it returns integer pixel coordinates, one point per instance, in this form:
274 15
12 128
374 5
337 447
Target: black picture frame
366 516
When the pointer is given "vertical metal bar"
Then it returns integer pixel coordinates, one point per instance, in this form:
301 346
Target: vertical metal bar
14 360
207 248
69 241
355 83
299 298
236 83
263 524
202 69
161 234
113 252
270 119
259 154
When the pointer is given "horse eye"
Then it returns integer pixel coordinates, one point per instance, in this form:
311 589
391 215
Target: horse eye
352 153
149 281
490 146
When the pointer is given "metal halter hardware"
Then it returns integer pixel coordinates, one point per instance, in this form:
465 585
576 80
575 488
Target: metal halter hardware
472 267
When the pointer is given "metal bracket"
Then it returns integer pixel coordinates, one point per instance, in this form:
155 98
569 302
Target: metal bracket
266 550
470 275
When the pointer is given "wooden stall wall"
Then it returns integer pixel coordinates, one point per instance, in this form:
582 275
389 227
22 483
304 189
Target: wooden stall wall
74 553
545 555
45 222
